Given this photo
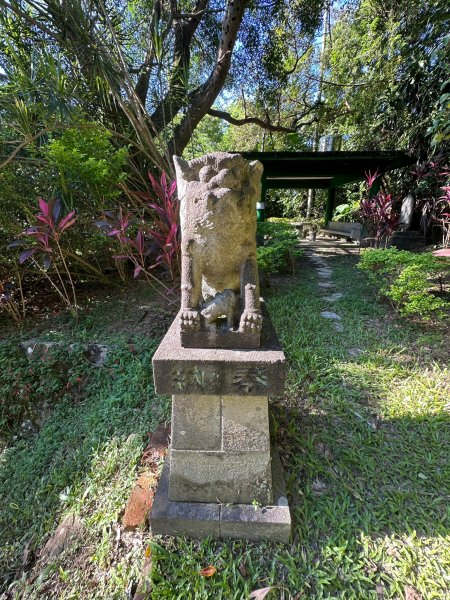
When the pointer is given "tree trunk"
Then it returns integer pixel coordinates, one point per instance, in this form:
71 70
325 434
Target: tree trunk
204 96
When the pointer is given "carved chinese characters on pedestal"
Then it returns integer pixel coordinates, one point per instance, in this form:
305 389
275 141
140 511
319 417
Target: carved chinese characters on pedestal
220 305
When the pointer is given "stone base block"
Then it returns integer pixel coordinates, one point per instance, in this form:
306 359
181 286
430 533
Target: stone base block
220 449
198 476
228 423
239 521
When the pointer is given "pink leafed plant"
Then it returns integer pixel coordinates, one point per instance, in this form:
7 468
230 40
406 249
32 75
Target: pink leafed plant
378 214
151 244
41 243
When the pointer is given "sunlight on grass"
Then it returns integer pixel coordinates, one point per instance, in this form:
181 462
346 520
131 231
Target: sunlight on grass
364 441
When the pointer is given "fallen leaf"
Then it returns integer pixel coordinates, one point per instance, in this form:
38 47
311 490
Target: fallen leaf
243 569
411 593
261 593
208 571
148 552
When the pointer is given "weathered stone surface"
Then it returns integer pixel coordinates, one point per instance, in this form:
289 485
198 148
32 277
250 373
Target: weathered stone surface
258 372
196 422
239 521
192 519
324 272
326 314
141 497
255 523
159 439
140 501
355 352
326 285
244 340
145 583
245 424
96 354
406 212
67 533
219 275
333 297
35 349
318 261
198 476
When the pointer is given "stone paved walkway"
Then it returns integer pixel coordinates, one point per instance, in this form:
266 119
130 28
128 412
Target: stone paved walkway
318 253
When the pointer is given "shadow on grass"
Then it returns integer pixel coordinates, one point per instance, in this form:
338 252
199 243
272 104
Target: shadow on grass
350 477
83 458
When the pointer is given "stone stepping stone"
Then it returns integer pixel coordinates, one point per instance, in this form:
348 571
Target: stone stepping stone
355 352
326 314
68 532
324 272
339 327
334 297
326 284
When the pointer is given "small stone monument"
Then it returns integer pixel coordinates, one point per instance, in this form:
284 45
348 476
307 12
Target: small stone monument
221 361
406 213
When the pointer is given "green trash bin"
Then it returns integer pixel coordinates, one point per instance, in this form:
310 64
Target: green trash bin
260 212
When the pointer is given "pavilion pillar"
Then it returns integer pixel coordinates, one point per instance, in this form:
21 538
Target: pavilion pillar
330 205
261 205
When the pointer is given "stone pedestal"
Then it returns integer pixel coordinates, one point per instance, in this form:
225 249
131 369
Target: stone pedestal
221 477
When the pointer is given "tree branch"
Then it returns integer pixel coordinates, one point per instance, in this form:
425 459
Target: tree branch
176 96
204 96
29 19
220 114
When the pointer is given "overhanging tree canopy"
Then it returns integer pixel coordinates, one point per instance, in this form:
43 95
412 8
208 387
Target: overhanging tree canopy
153 70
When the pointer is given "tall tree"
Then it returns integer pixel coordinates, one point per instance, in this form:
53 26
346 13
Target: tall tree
388 64
153 69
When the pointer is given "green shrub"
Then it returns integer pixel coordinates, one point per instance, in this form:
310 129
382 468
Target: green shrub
346 212
276 250
410 291
89 168
284 220
405 278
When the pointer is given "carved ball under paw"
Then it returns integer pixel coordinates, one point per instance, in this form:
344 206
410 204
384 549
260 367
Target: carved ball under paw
251 322
190 320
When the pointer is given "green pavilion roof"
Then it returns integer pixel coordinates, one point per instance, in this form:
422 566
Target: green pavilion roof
323 169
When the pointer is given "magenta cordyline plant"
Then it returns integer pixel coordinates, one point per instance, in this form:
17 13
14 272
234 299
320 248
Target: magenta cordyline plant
41 244
378 215
165 228
154 244
131 248
430 177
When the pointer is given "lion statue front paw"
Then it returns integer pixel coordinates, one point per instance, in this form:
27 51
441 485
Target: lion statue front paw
251 322
189 320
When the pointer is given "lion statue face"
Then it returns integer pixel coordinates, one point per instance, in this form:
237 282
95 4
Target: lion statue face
217 191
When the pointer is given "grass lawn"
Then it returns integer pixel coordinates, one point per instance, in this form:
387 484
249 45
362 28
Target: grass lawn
364 437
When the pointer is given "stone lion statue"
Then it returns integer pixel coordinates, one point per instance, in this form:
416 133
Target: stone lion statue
218 194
